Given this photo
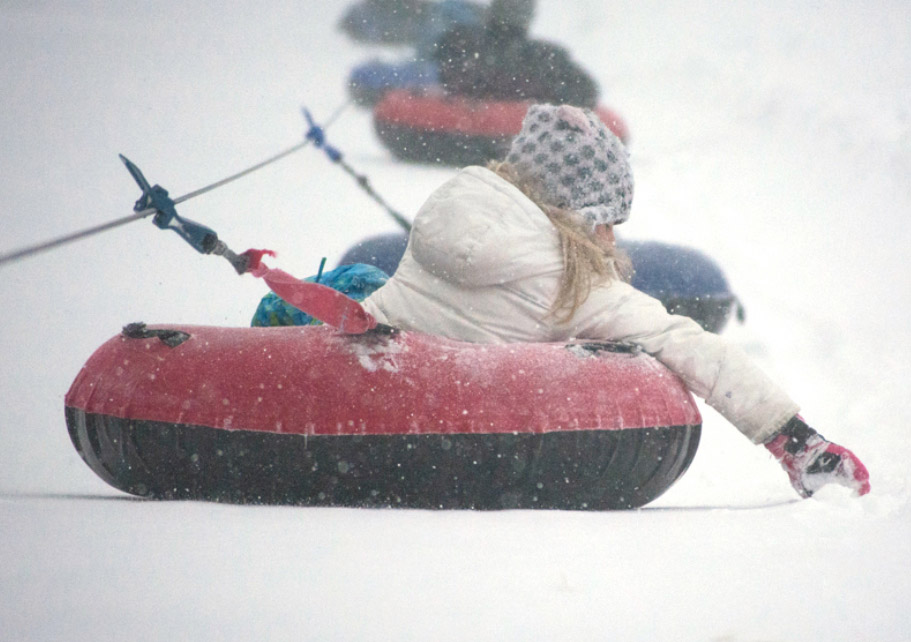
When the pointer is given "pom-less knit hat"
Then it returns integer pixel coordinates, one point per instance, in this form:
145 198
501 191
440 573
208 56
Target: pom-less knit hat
578 161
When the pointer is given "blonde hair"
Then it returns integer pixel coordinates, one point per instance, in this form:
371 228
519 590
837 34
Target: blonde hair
586 262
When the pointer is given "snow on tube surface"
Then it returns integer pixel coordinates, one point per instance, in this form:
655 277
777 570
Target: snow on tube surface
454 130
685 280
306 415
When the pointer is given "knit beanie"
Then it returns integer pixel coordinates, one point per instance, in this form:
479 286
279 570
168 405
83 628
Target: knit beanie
577 160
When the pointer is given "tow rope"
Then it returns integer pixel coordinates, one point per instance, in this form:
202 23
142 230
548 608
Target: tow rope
319 301
318 136
155 200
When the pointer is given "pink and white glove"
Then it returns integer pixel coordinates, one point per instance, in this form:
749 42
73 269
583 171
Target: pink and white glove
812 462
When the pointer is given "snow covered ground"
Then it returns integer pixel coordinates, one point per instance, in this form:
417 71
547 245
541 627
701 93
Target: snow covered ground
773 136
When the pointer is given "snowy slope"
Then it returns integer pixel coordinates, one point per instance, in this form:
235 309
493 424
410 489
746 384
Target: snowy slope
773 136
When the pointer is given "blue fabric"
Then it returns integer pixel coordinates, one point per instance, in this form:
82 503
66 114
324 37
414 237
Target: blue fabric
357 281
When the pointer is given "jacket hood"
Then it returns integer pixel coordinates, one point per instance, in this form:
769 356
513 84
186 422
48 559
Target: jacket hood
478 229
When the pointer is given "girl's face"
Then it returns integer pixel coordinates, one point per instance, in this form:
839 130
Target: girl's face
605 235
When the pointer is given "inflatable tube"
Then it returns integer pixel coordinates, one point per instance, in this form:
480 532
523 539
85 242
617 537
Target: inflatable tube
685 280
383 21
369 82
453 130
406 22
383 251
305 415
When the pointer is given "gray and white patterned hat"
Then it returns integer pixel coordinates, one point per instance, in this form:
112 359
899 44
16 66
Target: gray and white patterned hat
577 160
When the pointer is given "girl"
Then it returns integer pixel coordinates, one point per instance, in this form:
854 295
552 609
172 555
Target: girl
524 251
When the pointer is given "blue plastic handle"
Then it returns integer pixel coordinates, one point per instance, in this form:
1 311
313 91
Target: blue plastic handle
200 237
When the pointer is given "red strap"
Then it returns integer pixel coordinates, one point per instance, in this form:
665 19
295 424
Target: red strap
319 301
255 261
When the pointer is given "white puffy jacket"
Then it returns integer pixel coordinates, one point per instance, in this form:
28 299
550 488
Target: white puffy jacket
483 264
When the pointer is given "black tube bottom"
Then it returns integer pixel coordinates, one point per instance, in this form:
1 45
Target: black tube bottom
572 470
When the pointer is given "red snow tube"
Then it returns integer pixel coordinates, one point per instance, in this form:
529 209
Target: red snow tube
454 130
306 415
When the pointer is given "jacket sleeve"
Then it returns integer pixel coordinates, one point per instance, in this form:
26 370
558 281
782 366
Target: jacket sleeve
712 368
